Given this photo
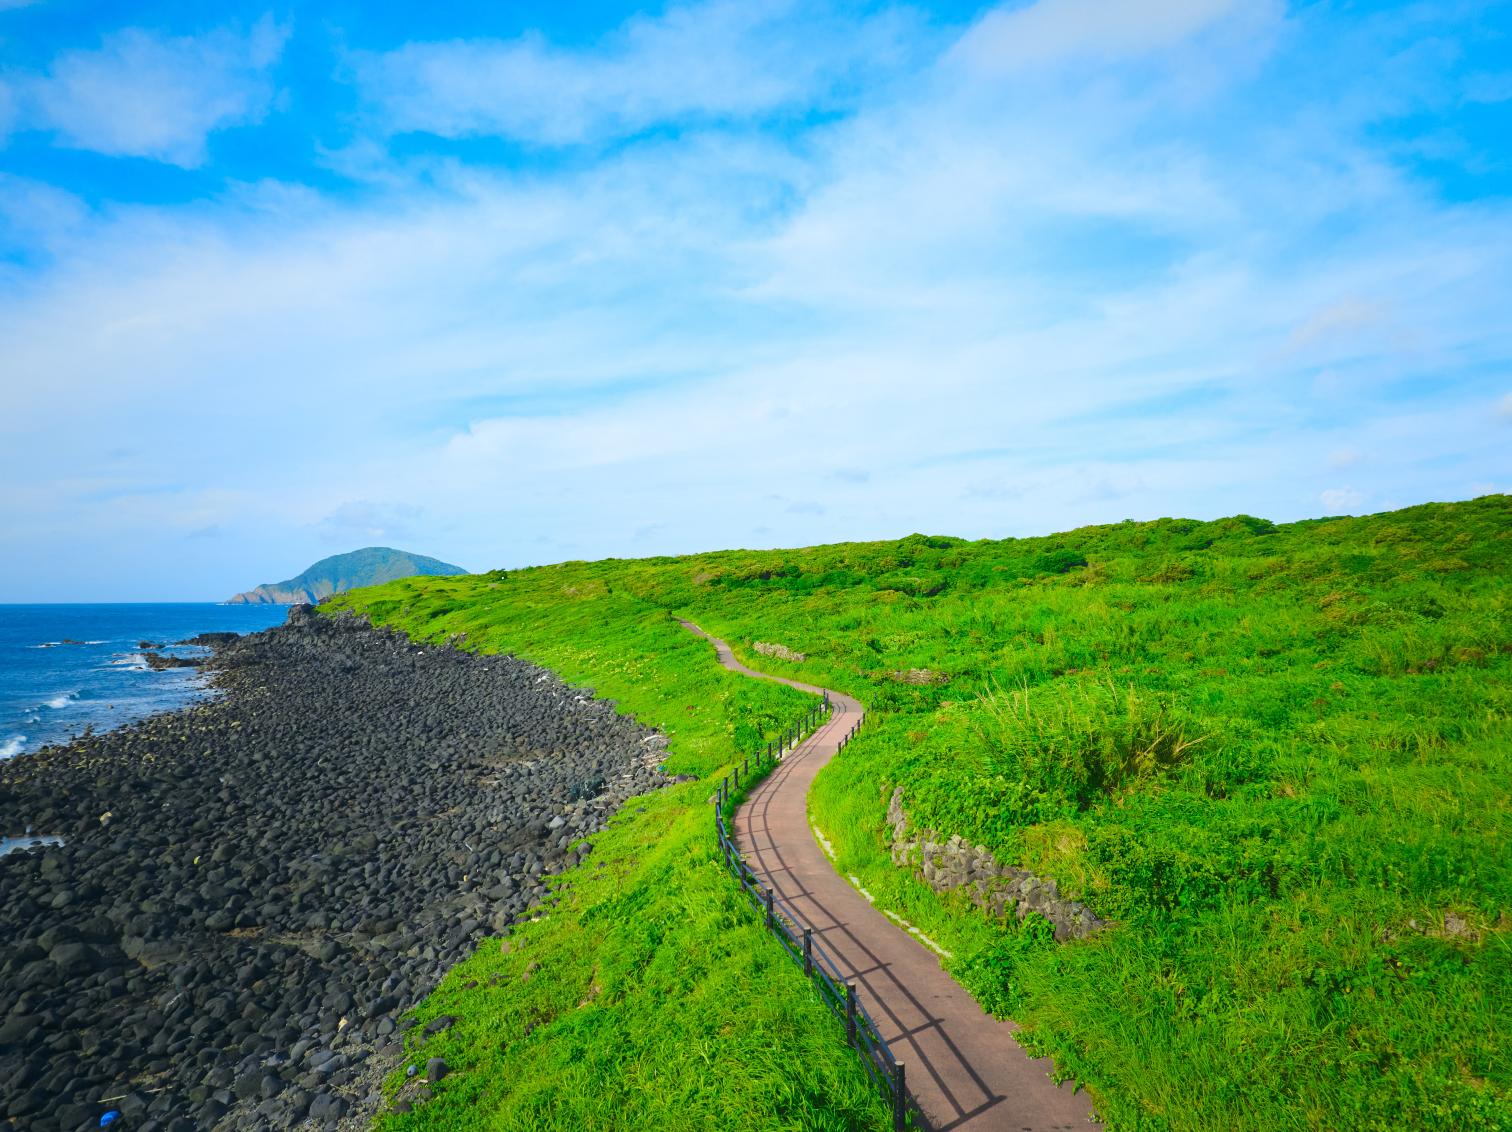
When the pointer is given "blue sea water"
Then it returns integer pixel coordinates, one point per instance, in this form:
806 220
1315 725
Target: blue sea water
51 690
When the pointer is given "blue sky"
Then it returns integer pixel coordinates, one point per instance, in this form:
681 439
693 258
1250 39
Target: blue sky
569 281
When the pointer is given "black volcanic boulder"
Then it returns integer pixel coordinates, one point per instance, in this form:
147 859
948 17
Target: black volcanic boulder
252 892
212 640
158 662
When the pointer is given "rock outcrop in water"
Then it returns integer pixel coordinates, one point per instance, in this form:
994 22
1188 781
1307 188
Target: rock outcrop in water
253 891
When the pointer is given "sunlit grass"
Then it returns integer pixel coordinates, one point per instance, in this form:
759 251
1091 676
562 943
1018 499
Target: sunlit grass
1276 757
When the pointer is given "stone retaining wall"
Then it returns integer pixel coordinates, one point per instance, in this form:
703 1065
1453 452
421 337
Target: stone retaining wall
997 889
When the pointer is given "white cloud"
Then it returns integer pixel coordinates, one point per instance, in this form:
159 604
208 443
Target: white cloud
7 110
728 59
364 519
1342 500
1504 407
1052 31
1493 87
1344 457
146 95
1343 319
931 315
38 215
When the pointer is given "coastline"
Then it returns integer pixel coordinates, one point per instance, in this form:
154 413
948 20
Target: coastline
253 890
65 668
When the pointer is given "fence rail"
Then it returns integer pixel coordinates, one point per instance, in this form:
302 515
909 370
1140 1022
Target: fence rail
797 936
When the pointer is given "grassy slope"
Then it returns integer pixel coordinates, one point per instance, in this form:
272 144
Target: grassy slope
1277 757
647 996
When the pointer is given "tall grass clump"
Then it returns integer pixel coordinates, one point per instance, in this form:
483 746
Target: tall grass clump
1068 744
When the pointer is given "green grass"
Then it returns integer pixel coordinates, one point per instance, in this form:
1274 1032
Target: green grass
1276 757
647 995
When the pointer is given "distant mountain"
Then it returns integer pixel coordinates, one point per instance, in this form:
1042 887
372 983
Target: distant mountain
340 572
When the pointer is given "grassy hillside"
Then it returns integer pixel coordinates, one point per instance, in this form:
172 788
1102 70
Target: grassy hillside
372 565
1276 757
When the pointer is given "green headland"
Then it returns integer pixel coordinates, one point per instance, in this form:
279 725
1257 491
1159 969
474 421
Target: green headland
1277 759
370 566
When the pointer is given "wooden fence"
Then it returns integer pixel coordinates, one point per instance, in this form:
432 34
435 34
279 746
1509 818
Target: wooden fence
797 936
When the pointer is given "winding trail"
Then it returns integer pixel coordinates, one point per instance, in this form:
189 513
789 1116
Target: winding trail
964 1067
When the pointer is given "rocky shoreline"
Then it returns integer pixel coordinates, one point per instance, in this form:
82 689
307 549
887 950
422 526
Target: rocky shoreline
253 891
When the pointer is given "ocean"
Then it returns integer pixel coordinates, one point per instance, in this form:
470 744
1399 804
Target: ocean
67 667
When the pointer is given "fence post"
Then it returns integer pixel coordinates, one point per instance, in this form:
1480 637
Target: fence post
737 778
808 951
900 1098
850 1013
771 919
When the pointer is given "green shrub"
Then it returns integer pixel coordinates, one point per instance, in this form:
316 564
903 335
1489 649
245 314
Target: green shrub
1072 742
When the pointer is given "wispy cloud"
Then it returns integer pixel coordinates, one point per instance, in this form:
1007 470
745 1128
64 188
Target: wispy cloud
824 303
140 94
1342 500
7 110
730 59
1054 31
363 519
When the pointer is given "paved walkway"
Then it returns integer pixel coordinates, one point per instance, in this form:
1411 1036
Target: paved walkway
964 1067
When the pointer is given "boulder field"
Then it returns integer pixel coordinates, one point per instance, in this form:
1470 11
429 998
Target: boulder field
253 891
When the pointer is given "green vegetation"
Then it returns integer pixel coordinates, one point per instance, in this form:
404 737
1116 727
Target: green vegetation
370 566
1275 756
647 994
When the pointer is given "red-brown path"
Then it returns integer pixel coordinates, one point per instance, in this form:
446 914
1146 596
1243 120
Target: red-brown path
964 1067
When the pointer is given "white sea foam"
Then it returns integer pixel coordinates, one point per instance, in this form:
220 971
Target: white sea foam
11 747
62 700
29 841
134 660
